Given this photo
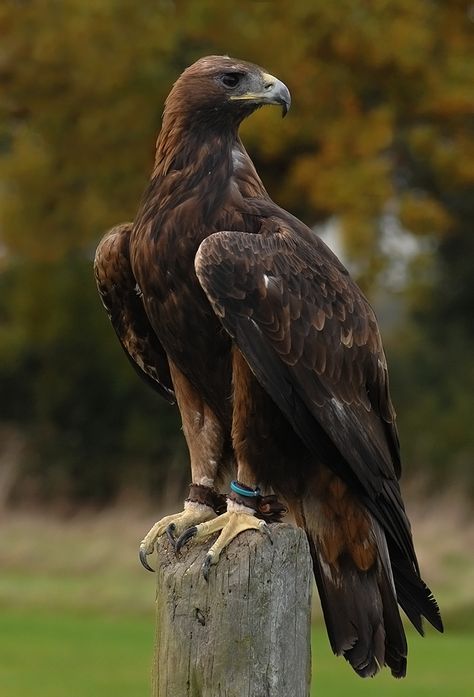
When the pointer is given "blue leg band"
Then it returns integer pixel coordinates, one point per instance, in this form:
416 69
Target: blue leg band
242 490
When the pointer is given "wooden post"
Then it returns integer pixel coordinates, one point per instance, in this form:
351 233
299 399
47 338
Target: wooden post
245 633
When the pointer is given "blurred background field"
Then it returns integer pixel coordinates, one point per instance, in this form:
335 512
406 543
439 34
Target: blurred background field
76 610
108 656
377 153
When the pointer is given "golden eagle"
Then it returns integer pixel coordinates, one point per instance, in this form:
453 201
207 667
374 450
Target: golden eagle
231 306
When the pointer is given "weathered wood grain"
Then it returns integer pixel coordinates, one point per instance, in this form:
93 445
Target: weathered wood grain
245 633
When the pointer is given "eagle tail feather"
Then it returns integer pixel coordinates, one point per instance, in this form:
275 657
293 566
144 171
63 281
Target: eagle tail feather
359 605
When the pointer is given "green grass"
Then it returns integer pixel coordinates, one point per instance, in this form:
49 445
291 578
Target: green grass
76 613
43 654
66 655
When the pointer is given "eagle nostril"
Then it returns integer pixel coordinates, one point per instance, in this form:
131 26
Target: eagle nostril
268 86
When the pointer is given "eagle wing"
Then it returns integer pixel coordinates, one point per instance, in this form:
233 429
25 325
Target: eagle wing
121 298
311 339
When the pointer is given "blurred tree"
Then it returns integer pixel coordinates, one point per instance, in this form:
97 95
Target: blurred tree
381 118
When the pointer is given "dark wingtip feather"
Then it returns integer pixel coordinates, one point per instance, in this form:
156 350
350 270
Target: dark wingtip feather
415 597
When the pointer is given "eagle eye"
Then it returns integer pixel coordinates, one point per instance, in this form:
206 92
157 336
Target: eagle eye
230 80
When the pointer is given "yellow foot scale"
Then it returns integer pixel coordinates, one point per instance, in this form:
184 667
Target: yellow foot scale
231 524
174 525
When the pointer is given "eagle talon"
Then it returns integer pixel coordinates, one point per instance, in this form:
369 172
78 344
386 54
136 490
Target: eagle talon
169 533
187 535
206 566
143 554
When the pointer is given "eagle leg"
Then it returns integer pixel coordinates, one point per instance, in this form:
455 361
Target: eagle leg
173 525
205 438
237 519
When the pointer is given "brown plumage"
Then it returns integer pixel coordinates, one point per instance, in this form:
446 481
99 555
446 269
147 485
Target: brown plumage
229 303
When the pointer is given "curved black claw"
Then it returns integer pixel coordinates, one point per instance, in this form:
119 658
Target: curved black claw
143 555
206 566
186 535
169 533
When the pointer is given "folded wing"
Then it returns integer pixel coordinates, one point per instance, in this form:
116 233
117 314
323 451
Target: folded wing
312 340
121 298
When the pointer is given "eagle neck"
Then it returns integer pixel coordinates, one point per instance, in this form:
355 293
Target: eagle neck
189 184
194 146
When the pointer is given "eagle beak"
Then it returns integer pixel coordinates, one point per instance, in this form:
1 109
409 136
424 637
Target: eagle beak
274 92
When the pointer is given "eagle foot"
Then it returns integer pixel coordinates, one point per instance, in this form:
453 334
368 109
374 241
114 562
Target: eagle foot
174 525
230 524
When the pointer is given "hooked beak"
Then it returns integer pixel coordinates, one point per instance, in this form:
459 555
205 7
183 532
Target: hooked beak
274 92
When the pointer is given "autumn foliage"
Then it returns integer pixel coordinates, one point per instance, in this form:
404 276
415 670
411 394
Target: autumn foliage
378 147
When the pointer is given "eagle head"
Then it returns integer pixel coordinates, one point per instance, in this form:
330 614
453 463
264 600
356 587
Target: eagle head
219 89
